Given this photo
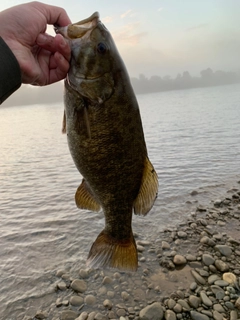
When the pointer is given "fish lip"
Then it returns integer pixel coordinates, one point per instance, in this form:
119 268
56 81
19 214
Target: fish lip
80 28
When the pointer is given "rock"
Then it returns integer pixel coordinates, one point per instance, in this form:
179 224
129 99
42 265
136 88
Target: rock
171 303
198 278
41 315
83 316
76 301
191 257
68 315
230 278
165 245
217 203
198 316
177 308
184 305
224 250
99 316
193 286
217 315
237 303
90 300
170 315
221 266
179 260
121 312
79 285
125 295
218 307
107 280
182 234
152 312
83 273
233 315
107 304
206 240
194 301
62 286
218 292
213 278
207 259
205 300
221 283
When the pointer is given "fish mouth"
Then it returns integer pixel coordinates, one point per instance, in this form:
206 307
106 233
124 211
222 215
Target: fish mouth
78 29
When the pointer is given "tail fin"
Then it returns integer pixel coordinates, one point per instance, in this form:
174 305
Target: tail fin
109 252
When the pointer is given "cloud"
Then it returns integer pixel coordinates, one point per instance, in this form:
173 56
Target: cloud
125 14
199 26
107 19
129 34
160 9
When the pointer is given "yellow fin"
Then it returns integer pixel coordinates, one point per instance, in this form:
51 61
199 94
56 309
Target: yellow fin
64 129
85 199
148 190
109 252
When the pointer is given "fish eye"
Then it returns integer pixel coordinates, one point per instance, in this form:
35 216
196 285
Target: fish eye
101 48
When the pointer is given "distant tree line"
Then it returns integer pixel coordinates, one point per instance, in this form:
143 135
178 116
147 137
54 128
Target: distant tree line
184 81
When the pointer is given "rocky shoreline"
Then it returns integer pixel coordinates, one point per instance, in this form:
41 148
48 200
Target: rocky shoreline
191 272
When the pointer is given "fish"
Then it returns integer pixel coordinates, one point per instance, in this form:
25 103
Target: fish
106 141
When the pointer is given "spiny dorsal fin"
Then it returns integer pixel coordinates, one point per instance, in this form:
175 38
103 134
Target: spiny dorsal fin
148 190
108 252
85 199
64 129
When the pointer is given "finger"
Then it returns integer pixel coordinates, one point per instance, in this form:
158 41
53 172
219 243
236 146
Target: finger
60 71
53 44
53 14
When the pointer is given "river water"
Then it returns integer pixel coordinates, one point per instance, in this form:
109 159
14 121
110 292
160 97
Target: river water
193 139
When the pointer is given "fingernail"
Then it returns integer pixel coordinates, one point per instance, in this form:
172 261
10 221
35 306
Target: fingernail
41 39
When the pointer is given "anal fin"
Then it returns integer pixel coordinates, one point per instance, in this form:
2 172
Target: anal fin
148 191
108 252
85 199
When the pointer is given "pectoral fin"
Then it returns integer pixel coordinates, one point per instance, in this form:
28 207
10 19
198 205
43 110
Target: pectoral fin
64 129
148 190
85 199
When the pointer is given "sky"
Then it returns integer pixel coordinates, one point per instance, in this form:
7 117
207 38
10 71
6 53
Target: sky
165 37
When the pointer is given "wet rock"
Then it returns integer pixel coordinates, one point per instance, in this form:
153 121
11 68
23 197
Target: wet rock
41 315
207 259
170 315
194 301
224 250
237 303
198 278
165 245
152 312
221 266
62 286
205 299
179 260
79 285
68 315
90 300
83 273
107 280
76 301
198 316
206 240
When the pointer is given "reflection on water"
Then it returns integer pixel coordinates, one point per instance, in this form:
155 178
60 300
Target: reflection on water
193 141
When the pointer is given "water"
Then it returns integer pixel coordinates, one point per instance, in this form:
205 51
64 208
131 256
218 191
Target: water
193 139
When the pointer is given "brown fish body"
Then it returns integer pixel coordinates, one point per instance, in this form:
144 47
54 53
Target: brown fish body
106 141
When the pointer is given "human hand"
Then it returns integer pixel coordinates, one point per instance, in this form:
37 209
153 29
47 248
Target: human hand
43 59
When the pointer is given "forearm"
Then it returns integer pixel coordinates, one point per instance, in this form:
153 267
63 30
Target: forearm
10 73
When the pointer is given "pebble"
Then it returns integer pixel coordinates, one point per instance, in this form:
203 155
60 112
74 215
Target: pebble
68 315
76 301
207 259
152 312
79 285
170 315
224 250
179 260
221 266
213 278
165 245
198 316
194 301
205 299
198 278
90 300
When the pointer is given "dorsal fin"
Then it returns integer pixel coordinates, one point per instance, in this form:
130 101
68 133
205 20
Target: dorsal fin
148 190
85 199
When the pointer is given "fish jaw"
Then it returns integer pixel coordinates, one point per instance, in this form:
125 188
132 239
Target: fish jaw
78 29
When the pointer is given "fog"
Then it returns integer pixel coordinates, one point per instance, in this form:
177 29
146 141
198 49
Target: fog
29 95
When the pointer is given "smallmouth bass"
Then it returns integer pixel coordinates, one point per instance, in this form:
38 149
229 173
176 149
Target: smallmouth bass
106 141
